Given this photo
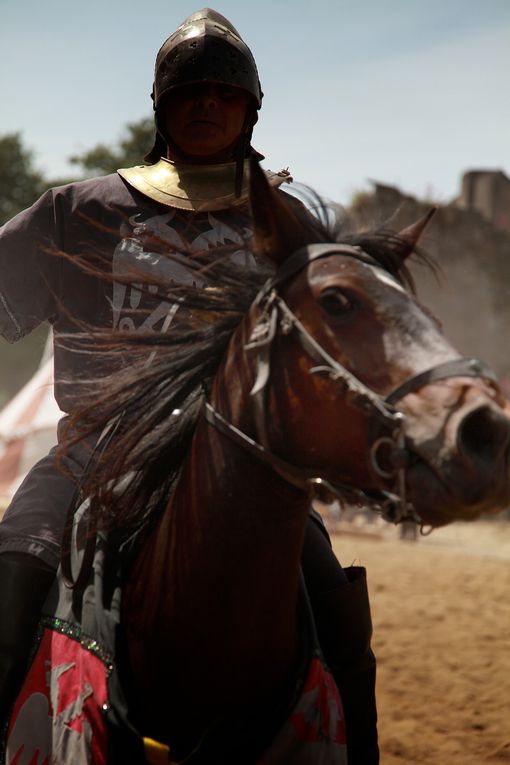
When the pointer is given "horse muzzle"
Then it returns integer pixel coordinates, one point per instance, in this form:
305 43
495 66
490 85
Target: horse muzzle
462 470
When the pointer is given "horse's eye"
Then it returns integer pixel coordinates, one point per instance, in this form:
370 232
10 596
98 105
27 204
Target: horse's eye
335 302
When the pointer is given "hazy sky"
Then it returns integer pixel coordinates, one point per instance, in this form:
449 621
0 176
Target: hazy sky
402 91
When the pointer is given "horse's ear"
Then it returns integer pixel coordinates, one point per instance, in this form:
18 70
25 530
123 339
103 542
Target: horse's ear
277 230
408 237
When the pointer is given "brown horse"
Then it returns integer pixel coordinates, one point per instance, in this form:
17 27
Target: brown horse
304 398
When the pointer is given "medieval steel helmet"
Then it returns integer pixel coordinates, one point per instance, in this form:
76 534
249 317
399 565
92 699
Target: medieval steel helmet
204 48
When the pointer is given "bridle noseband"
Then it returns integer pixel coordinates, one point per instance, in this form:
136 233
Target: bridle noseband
275 315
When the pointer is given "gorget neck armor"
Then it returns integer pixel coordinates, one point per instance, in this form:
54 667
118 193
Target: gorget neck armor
198 188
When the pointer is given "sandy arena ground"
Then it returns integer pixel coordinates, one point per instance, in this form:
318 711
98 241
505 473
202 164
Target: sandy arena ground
441 612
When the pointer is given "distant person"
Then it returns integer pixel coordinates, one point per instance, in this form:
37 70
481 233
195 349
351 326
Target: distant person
408 531
191 196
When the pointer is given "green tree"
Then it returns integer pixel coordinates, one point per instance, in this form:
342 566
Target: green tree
19 361
103 159
20 183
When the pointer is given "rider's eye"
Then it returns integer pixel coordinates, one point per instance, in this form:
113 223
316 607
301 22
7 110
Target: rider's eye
335 302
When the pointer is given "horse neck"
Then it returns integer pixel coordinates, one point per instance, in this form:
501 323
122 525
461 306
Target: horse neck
222 568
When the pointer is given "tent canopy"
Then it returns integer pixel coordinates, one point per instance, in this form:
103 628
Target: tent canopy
28 429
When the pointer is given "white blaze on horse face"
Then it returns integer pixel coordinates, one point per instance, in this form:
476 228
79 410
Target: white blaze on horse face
420 345
386 278
417 353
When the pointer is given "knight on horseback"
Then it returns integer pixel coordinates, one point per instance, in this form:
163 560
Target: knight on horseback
192 196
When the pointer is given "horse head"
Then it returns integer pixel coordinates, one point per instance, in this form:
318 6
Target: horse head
364 388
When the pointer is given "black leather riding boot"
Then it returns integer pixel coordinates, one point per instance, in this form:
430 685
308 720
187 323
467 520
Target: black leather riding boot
344 628
24 584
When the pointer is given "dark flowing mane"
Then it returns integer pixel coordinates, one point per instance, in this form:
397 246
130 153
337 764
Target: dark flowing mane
154 400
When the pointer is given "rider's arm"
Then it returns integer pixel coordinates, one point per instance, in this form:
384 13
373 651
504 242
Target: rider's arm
29 269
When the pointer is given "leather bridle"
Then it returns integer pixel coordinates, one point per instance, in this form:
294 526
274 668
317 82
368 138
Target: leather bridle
276 316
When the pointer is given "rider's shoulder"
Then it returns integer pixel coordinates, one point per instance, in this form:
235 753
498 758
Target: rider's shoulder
89 188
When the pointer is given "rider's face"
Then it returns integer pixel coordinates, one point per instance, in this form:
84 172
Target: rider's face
205 120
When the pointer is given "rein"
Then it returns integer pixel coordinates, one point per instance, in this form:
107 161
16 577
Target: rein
276 316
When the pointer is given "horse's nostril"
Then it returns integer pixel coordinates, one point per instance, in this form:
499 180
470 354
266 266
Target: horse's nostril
484 432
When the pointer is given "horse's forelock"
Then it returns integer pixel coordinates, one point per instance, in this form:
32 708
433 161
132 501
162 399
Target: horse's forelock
326 222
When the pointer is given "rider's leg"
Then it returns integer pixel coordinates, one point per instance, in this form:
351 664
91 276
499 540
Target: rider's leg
34 521
24 584
341 608
30 539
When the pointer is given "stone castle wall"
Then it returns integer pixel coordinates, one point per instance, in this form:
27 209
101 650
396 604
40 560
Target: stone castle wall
488 192
471 295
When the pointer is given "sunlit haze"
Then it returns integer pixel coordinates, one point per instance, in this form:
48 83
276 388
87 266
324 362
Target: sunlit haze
401 91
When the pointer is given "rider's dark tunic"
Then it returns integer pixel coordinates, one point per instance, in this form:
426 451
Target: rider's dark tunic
107 223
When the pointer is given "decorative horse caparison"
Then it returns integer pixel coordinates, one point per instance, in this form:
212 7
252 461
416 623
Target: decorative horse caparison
335 379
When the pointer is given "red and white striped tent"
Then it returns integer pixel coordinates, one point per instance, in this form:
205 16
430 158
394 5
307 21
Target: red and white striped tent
28 429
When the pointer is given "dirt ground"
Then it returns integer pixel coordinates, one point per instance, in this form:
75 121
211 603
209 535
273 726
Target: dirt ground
441 612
